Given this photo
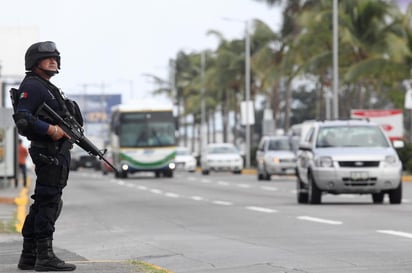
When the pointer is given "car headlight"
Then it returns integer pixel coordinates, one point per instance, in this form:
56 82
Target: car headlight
276 160
390 159
324 161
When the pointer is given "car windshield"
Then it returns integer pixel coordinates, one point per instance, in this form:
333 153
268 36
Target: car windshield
351 136
279 145
222 150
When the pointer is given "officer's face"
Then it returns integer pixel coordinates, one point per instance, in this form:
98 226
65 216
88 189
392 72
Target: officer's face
49 64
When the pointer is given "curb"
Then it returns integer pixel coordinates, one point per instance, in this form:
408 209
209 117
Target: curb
21 202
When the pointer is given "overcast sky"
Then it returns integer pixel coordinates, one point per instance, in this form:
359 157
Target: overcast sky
113 43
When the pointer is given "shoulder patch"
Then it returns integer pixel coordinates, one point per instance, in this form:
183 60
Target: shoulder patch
23 95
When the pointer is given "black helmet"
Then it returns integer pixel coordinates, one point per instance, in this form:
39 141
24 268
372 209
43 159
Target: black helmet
39 51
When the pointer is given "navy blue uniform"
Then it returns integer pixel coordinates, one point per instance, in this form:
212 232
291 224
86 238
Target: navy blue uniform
51 163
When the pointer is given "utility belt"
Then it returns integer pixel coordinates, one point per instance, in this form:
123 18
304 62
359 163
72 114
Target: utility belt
51 147
51 160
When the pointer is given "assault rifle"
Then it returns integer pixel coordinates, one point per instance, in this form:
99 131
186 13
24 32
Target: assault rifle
76 133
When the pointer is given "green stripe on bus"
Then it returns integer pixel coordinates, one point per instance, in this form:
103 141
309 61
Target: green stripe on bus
136 163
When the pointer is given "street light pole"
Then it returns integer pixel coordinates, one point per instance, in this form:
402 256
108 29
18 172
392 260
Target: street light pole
247 91
335 61
203 104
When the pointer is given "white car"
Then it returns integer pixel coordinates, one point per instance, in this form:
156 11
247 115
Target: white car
184 160
221 157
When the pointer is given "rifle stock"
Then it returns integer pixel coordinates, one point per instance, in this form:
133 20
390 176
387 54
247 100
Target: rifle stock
76 133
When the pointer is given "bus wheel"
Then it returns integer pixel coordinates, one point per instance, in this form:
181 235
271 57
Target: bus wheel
123 175
168 174
157 174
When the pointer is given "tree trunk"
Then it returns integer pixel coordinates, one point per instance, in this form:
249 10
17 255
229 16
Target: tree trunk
288 105
193 136
274 103
213 126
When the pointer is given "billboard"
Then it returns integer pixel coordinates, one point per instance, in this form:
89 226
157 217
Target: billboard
96 112
390 120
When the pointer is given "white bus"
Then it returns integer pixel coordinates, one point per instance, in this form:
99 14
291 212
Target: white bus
143 139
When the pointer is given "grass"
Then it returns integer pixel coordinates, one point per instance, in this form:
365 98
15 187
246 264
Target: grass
8 226
149 268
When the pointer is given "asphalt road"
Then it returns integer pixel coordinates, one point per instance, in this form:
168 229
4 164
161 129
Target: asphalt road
231 224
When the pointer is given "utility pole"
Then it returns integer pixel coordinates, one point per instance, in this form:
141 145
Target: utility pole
247 90
335 62
203 104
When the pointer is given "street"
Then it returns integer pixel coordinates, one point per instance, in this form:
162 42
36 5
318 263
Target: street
231 223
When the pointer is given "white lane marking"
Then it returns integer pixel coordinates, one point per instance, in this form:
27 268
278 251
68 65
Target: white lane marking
171 194
205 180
267 188
143 188
396 233
222 203
260 209
245 186
320 220
222 183
156 191
197 198
120 182
130 185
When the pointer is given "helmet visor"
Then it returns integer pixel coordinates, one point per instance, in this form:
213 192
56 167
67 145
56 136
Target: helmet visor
47 47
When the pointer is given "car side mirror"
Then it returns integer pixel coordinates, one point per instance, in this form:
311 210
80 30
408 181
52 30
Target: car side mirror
305 147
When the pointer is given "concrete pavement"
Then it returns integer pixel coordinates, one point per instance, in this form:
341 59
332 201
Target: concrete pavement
14 203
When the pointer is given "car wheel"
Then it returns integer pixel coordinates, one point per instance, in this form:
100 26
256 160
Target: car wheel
314 193
301 192
266 175
259 176
205 172
377 198
237 172
395 196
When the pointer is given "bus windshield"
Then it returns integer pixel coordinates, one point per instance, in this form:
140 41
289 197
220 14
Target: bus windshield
147 129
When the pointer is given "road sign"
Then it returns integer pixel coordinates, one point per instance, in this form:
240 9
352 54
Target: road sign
247 113
390 120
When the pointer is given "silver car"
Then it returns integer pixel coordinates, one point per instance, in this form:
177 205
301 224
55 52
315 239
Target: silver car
352 156
221 157
275 155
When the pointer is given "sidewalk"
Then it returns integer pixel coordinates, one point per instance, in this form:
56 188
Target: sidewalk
14 205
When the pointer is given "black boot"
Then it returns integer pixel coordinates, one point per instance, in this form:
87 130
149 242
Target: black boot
47 261
28 255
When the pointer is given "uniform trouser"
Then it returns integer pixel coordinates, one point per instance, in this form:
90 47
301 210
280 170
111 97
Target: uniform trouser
43 212
51 179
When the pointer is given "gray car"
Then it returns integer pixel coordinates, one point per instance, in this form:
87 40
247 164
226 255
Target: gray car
353 156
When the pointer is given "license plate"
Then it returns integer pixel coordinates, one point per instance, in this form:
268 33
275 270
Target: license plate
359 176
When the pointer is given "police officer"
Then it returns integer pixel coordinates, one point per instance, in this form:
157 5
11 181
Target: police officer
49 153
